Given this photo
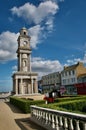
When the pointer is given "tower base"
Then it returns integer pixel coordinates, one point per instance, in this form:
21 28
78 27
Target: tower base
25 83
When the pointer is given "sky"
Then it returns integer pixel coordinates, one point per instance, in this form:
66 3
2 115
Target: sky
58 35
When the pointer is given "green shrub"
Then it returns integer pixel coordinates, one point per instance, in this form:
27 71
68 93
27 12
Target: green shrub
69 98
23 104
84 108
65 104
74 105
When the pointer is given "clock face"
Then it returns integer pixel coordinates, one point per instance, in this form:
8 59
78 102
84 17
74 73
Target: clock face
25 42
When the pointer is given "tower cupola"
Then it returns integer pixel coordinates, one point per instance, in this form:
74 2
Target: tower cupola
24 32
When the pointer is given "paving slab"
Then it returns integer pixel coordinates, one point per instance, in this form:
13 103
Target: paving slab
11 118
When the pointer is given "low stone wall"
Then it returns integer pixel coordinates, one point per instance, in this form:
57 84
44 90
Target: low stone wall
31 96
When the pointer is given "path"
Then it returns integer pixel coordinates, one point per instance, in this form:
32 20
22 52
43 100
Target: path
12 118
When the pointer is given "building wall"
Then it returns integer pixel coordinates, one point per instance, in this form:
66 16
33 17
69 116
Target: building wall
80 69
51 80
68 77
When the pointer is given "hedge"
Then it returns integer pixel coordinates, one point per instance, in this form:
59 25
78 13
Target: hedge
64 104
69 98
77 105
74 104
23 104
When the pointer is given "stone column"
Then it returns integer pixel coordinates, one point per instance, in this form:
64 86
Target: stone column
30 63
19 62
16 86
31 85
13 85
28 89
35 86
21 87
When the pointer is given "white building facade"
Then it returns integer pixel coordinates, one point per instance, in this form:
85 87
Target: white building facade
24 80
51 81
70 75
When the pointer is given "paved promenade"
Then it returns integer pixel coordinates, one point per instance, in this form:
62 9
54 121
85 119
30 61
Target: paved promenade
12 118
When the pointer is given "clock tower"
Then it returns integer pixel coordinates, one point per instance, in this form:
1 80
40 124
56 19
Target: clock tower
24 80
24 51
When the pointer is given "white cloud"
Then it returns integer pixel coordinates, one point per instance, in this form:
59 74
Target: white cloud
8 46
8 42
34 14
49 24
35 33
54 0
4 80
84 58
14 69
61 0
42 66
42 16
73 61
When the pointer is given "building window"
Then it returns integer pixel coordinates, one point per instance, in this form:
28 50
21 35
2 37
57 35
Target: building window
69 72
73 72
64 81
73 80
68 80
65 73
53 76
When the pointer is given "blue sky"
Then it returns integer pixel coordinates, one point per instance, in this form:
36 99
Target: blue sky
58 35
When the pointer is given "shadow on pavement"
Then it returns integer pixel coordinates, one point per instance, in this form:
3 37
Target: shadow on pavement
24 123
14 108
27 124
